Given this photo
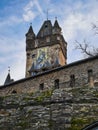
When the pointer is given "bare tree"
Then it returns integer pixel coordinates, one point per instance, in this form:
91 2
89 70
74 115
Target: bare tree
95 28
86 47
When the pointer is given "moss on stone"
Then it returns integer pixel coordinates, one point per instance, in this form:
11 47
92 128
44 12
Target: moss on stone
23 124
95 93
79 123
1 99
45 94
51 123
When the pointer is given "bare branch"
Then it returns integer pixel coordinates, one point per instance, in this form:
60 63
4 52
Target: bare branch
86 48
95 28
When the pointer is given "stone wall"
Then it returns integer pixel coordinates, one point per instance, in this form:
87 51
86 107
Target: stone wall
78 69
59 109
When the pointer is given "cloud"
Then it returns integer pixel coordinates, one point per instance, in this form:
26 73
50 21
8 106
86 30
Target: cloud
29 15
31 10
75 18
76 25
11 20
12 54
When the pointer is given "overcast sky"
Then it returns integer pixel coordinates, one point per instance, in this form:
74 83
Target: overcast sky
74 16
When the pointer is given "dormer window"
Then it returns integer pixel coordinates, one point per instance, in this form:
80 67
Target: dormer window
58 38
47 39
46 26
36 43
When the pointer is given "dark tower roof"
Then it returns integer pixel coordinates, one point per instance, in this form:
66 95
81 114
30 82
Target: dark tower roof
30 31
8 79
56 24
46 29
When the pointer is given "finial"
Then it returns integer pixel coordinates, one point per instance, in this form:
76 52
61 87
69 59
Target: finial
30 24
55 18
8 69
47 13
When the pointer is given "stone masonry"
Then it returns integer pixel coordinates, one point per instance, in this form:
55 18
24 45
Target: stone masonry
79 69
54 109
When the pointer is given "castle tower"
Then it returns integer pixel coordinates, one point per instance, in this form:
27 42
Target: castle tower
30 45
46 50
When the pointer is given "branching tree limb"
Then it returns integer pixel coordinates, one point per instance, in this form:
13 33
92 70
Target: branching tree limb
86 48
95 28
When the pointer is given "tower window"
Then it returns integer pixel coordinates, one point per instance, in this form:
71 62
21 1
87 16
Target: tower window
58 38
46 26
90 74
47 39
28 54
36 43
33 55
56 84
41 86
72 80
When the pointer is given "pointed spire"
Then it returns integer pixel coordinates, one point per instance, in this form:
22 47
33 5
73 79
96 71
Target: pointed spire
56 28
8 78
56 24
30 31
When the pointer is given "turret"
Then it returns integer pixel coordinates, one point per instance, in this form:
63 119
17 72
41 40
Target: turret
30 37
30 45
56 28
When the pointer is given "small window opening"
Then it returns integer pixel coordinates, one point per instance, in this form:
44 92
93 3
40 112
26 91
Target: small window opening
56 84
41 87
46 26
28 54
33 55
72 80
14 91
90 74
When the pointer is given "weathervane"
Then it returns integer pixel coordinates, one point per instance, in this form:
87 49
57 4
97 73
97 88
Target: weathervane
55 18
30 24
8 69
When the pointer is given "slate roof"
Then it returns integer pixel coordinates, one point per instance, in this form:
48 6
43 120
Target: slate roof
56 24
30 31
8 79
